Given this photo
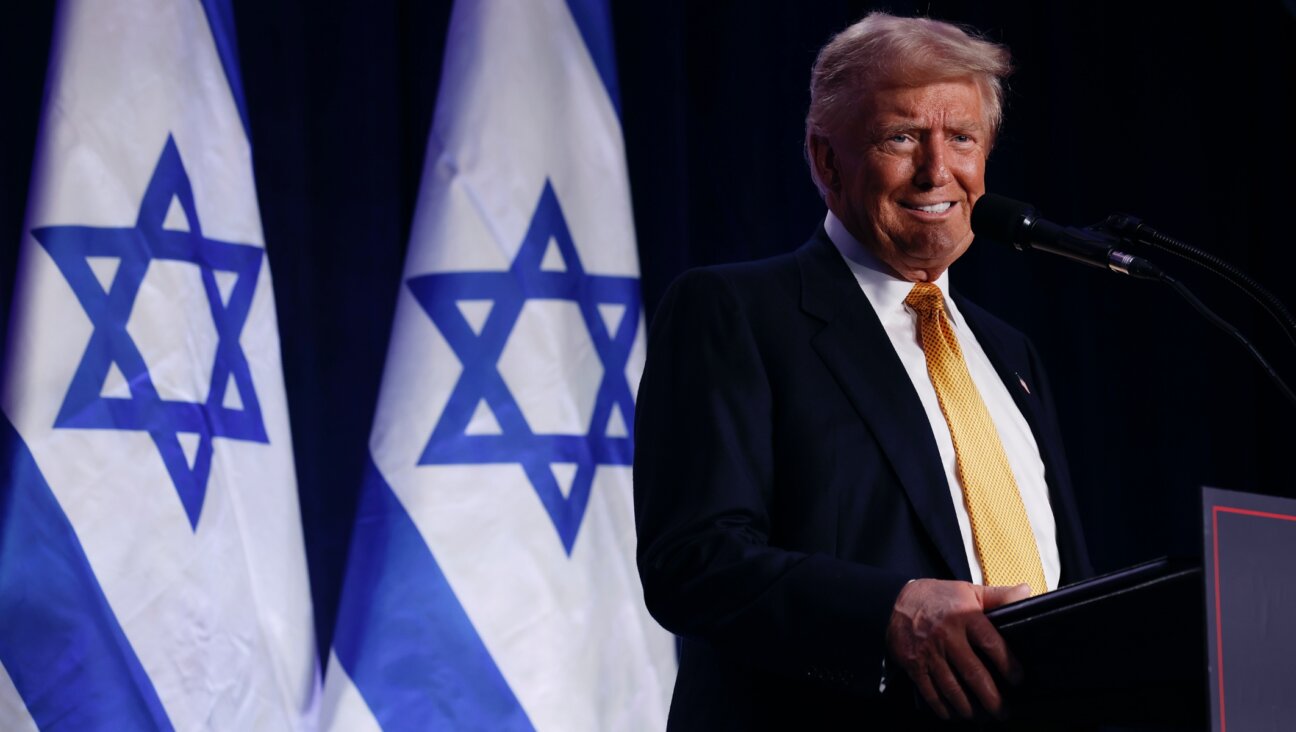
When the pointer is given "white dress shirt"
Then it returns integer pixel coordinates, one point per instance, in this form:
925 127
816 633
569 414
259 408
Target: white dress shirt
887 293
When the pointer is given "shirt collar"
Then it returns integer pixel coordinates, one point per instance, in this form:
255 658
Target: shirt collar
884 290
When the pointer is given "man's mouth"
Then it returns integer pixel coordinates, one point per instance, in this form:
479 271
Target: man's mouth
934 208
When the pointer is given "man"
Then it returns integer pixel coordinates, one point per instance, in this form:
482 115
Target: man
838 470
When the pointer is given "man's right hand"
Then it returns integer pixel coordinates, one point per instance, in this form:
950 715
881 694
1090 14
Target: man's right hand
939 634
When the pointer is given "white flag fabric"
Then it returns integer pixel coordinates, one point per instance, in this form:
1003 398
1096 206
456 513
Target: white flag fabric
491 582
152 568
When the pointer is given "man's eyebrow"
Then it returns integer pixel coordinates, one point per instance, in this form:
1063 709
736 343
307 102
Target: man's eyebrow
897 126
967 125
909 125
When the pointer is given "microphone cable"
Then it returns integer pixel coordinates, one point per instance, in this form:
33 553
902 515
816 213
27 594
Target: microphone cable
1132 229
1227 327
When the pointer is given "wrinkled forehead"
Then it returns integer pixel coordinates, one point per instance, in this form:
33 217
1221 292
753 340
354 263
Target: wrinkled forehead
956 97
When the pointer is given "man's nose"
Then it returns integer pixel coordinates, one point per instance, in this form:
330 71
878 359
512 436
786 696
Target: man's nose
930 169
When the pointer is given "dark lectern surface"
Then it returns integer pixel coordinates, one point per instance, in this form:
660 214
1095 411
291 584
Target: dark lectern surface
1126 648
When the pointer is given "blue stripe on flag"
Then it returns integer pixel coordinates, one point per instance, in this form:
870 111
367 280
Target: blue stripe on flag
402 635
594 19
220 17
61 643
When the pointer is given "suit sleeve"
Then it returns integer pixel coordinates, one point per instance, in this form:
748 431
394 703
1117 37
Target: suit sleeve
704 481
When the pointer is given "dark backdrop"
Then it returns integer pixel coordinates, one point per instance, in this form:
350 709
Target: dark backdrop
1182 114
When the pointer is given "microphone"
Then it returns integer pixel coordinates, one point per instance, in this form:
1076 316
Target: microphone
1019 224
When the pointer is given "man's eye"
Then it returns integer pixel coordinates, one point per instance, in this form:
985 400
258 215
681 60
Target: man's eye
962 138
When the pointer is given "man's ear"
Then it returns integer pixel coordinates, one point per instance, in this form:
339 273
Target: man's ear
824 160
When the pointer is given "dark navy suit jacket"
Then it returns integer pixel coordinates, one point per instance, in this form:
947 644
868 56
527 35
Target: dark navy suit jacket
787 485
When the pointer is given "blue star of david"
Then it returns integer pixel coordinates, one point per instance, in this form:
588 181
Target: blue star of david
109 308
439 295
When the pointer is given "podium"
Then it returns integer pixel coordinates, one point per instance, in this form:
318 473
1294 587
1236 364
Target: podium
1126 648
1172 643
1249 560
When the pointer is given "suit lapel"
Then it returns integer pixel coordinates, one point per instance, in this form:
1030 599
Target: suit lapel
855 348
1010 364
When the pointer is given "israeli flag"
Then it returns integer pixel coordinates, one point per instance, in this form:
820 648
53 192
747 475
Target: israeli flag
152 570
491 582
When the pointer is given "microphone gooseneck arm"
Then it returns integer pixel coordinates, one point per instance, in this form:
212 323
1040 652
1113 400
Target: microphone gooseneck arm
1227 327
1131 228
1018 224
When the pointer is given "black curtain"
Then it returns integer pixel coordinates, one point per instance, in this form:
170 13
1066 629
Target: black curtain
1180 114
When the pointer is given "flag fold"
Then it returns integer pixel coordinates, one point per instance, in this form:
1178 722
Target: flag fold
491 581
152 566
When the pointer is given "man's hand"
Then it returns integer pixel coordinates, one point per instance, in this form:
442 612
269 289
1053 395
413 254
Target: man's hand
939 634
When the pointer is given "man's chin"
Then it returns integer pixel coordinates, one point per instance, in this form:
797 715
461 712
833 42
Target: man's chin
939 254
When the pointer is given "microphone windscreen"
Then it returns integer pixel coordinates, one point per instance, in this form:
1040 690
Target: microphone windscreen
1002 218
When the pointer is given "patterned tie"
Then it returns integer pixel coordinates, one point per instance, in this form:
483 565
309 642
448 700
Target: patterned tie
1001 532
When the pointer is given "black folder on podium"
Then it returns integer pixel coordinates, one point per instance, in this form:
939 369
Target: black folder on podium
1124 648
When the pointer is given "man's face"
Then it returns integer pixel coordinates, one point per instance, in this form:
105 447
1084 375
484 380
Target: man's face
908 170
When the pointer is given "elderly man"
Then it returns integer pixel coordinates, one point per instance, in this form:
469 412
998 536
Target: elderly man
840 464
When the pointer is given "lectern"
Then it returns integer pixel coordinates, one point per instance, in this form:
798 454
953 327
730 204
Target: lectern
1127 648
1172 643
1249 563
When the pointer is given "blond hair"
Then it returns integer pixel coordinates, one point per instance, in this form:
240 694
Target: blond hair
884 49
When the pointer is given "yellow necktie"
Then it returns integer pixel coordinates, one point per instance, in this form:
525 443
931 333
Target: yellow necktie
1001 532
